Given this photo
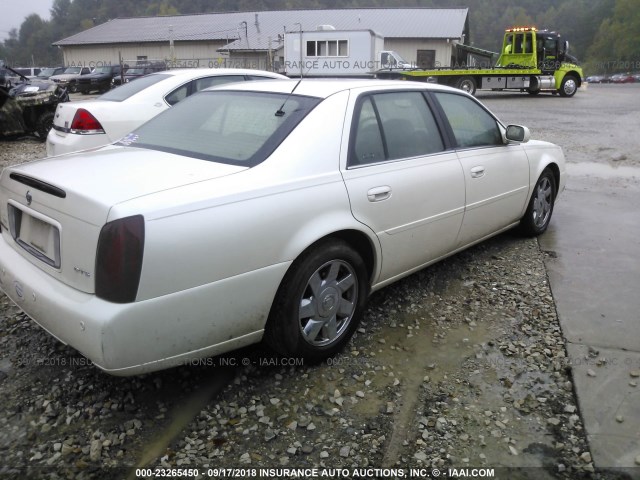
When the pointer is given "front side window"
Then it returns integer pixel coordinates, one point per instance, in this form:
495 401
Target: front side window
394 125
238 128
472 125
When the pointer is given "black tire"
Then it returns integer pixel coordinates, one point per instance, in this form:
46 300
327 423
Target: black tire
467 84
43 125
319 302
569 86
73 88
533 92
538 215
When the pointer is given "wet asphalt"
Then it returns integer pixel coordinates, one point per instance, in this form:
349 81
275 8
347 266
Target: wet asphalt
593 255
594 272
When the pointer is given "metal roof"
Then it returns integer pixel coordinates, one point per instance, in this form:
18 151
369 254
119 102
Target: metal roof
255 30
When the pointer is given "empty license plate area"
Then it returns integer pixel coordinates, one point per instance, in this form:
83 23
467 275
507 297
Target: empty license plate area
36 235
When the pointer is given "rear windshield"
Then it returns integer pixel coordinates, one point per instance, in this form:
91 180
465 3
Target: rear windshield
238 128
127 90
73 70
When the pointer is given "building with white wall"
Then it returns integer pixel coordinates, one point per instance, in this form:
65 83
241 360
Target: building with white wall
425 37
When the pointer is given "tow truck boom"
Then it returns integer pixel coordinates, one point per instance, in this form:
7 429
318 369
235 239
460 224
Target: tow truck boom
531 60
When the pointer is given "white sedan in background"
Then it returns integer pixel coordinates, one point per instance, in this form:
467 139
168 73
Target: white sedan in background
261 210
94 123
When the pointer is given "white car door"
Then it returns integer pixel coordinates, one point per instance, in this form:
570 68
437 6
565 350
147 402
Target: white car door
401 182
496 174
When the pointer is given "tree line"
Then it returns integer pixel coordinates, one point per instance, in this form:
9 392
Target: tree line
603 34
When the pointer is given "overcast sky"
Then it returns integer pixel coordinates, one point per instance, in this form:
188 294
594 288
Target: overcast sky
13 13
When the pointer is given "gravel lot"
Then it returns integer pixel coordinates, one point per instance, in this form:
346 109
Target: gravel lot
462 365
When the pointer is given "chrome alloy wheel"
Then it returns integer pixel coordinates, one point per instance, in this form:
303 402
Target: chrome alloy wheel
570 86
328 303
542 202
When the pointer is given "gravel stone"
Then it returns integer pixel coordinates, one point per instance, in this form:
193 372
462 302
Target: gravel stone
474 370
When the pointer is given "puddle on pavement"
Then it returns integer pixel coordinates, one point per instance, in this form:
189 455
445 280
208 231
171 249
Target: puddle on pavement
417 351
417 346
181 416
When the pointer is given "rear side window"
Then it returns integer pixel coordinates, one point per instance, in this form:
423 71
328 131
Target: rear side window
391 126
178 94
472 125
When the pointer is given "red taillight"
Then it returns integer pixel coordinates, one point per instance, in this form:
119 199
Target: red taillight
119 259
84 122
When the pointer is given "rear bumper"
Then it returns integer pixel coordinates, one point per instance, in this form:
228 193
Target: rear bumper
61 142
139 337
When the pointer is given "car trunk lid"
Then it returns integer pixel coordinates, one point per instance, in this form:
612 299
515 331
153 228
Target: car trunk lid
52 210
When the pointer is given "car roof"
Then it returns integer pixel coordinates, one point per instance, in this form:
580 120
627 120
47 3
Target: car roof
324 88
198 72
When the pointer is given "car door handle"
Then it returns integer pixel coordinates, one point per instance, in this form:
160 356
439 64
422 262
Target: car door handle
477 172
377 194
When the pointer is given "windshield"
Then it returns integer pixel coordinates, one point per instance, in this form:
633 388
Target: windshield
135 71
238 128
102 70
127 90
72 70
46 72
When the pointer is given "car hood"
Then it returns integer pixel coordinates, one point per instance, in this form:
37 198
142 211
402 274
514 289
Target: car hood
96 180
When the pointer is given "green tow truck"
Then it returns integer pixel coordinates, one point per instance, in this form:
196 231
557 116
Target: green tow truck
531 61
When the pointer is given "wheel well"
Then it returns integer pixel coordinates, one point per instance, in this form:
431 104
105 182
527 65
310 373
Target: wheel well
362 244
358 240
575 74
556 174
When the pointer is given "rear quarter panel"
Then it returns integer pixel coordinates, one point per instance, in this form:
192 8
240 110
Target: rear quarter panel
264 216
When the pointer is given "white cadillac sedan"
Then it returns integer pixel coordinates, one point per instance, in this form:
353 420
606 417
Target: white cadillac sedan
261 210
94 123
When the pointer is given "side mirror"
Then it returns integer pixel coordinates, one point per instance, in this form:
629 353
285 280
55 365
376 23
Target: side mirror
518 133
